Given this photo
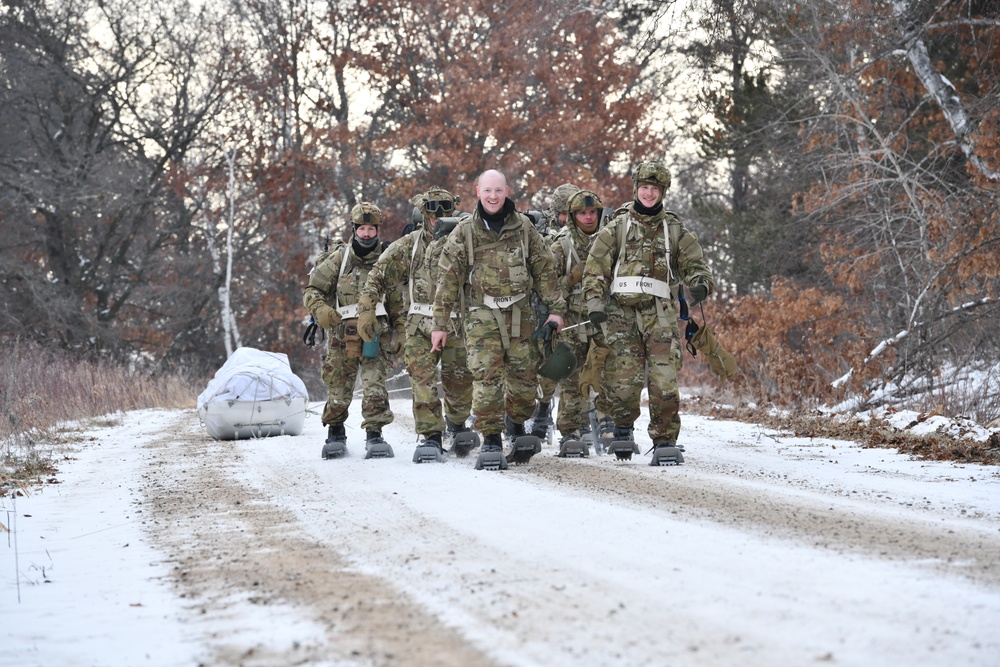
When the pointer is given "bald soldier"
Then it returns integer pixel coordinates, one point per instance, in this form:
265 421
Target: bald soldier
489 265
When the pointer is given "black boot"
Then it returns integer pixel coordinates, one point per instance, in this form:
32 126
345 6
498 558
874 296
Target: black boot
493 443
432 440
376 447
336 442
543 421
336 432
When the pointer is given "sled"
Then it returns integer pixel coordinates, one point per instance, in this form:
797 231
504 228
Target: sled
254 394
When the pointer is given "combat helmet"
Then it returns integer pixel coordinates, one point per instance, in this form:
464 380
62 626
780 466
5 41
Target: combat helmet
561 197
583 200
438 203
366 213
652 172
559 363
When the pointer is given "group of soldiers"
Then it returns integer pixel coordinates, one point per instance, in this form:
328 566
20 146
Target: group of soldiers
480 301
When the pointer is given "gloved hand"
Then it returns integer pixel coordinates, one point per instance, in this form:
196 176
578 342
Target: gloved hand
595 311
327 317
699 293
367 320
590 374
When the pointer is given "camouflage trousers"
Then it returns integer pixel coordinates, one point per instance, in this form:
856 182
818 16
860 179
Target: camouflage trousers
340 375
422 366
504 381
651 357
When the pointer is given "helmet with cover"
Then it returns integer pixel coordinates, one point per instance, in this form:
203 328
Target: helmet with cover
652 172
582 201
438 203
561 197
364 214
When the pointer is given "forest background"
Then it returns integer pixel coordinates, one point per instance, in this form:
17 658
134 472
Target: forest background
169 170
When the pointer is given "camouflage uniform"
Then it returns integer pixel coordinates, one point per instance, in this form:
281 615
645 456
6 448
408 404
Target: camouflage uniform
490 289
641 328
412 262
336 282
551 228
570 248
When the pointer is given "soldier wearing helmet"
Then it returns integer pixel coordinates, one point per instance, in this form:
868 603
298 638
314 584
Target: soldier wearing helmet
559 209
332 298
632 280
412 262
549 225
570 248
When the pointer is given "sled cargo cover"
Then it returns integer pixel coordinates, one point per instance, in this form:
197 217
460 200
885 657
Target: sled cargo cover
254 395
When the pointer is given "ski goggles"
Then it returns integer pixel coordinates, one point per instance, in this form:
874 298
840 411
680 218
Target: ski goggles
441 207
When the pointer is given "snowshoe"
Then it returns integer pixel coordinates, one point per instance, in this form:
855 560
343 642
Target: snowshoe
336 443
524 447
464 443
429 450
334 449
666 454
623 446
491 454
376 447
573 447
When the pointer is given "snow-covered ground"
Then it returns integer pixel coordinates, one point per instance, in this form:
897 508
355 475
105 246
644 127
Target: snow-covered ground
160 546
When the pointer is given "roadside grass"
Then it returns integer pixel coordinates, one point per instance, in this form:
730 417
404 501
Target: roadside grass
870 432
47 394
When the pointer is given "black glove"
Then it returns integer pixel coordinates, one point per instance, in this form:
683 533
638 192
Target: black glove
699 293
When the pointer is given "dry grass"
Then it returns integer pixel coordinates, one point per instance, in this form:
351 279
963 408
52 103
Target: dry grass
870 433
44 389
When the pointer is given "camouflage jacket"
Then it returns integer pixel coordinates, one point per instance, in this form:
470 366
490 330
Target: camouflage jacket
408 267
502 270
337 281
632 248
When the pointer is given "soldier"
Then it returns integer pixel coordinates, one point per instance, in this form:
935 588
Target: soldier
570 249
489 266
631 283
412 261
552 225
331 296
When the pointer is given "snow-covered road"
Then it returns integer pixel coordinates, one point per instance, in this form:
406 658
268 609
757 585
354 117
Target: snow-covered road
760 550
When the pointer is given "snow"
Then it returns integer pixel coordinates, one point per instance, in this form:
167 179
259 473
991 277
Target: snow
533 566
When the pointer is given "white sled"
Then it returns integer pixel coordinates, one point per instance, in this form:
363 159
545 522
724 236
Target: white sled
254 395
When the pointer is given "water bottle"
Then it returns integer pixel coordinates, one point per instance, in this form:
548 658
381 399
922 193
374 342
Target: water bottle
369 349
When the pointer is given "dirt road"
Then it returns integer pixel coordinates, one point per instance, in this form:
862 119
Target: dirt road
760 550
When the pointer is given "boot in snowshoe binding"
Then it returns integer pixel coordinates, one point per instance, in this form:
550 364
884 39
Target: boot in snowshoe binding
572 446
541 421
666 454
336 442
522 447
491 454
429 450
376 447
623 446
604 433
463 439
